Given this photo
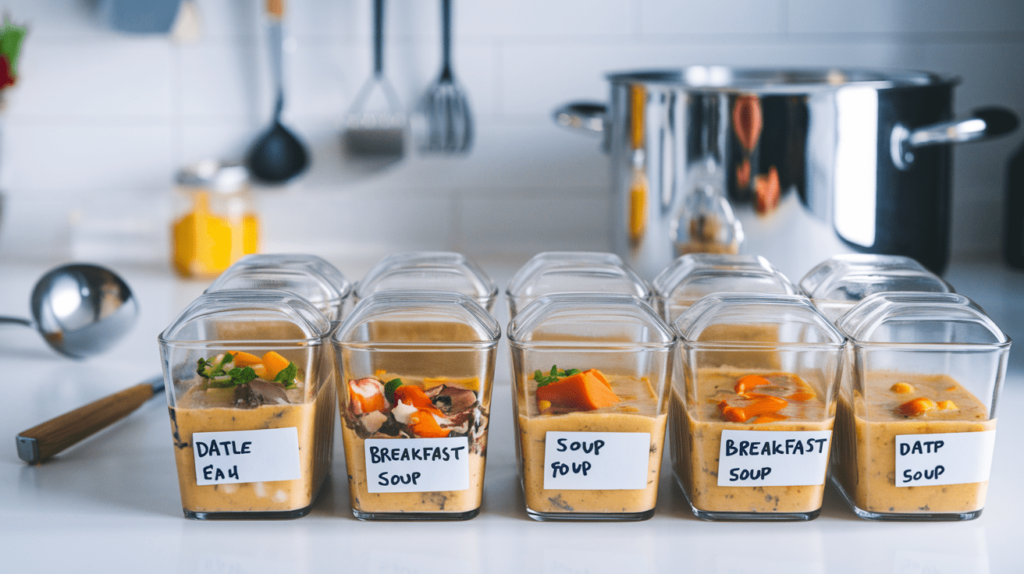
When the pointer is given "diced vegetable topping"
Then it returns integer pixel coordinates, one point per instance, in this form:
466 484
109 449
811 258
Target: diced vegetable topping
408 410
412 395
424 424
760 398
902 388
366 396
390 387
763 405
586 391
237 368
275 363
916 407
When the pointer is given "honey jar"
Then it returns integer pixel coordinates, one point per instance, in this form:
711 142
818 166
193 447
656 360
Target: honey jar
215 221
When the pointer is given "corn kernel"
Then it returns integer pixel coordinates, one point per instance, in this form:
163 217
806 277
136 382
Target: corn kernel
543 405
902 388
946 406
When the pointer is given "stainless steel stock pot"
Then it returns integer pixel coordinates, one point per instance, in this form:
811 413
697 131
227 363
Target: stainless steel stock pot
812 162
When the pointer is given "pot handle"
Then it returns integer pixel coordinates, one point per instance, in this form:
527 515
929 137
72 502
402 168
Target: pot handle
985 123
587 117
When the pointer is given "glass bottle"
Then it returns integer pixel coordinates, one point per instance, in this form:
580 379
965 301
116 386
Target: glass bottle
215 220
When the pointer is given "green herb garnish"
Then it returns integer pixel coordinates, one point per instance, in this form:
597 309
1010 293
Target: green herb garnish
390 387
286 376
214 367
553 376
218 375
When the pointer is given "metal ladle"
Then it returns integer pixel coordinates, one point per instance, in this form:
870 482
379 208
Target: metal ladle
278 155
81 310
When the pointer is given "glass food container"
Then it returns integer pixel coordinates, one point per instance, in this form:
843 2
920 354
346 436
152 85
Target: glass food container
215 221
693 276
429 271
573 272
916 423
839 283
590 378
415 396
308 276
751 420
252 409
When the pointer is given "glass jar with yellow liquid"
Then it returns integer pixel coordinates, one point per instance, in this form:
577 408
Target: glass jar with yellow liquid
215 221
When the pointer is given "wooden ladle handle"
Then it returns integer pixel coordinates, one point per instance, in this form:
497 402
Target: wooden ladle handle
51 437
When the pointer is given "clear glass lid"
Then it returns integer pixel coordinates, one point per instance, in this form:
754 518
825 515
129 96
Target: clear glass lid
693 276
308 276
574 320
851 278
921 318
414 317
429 271
248 316
575 272
792 318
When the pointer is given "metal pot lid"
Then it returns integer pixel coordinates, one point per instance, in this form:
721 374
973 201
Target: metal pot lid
779 80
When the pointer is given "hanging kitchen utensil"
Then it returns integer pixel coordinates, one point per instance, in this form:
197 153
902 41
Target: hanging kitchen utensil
278 155
445 106
375 125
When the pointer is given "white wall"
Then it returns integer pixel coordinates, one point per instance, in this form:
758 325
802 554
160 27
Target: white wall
100 121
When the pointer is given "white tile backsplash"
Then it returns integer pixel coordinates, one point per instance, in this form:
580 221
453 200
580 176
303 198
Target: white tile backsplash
105 77
98 113
901 17
728 17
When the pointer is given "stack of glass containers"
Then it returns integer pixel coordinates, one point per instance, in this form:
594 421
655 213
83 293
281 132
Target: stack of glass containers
839 283
308 276
429 271
251 404
415 394
693 276
752 417
917 411
573 272
590 377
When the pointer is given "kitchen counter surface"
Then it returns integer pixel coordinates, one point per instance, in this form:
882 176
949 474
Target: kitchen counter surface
111 503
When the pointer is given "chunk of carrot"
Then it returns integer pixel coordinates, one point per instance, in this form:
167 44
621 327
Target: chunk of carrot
425 425
748 382
366 396
915 407
763 405
413 395
600 376
582 391
243 359
274 363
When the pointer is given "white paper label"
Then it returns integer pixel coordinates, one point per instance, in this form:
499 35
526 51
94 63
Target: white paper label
773 458
246 456
944 458
417 464
596 460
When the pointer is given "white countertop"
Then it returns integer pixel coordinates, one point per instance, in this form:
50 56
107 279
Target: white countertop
111 503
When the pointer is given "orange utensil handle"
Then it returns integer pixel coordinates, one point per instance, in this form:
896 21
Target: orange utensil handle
53 436
275 8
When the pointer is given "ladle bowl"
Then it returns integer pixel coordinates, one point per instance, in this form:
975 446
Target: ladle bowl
81 310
